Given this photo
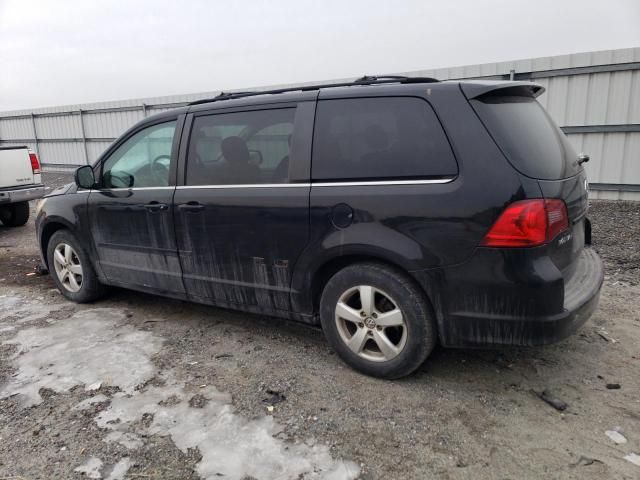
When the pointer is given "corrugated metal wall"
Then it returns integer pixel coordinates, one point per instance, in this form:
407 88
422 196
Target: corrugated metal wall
594 96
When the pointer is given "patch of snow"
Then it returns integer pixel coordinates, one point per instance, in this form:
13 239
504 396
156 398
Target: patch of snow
94 386
229 444
6 303
126 439
20 310
91 468
91 346
97 346
616 436
127 408
120 469
633 458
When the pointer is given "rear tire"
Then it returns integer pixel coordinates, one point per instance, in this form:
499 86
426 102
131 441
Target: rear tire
377 320
15 215
71 269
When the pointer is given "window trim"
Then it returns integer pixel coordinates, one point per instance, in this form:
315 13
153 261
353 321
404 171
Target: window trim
365 183
99 164
387 180
299 170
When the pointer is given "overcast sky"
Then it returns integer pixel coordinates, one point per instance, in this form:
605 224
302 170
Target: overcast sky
63 52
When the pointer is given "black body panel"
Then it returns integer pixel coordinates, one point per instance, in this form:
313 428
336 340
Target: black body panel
516 297
134 239
239 246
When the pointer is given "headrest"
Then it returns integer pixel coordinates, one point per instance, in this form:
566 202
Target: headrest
235 150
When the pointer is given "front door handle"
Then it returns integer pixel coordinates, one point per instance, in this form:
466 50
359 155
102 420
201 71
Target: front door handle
156 206
191 207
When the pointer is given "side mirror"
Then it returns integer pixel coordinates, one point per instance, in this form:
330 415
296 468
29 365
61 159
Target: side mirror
84 177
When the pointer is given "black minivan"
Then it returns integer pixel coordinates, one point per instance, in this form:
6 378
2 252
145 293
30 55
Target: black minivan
395 212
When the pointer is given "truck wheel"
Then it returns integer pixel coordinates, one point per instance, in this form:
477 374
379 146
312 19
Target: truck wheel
15 215
377 320
71 269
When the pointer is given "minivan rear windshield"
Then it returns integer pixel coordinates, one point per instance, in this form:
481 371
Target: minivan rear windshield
527 135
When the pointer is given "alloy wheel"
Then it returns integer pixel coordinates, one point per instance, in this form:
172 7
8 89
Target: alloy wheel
68 267
370 323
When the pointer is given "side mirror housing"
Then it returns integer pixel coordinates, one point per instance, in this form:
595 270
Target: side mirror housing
84 177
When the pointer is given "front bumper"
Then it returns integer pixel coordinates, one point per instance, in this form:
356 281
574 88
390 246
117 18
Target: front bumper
538 308
21 194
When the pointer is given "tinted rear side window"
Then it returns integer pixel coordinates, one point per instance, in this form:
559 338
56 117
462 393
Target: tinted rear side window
379 138
241 148
528 136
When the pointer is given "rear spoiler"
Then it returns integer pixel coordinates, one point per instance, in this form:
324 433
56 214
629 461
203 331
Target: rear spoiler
478 88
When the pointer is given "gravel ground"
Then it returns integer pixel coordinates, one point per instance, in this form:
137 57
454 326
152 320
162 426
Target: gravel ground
616 236
464 414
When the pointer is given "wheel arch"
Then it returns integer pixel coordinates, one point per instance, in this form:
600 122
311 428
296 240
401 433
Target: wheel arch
319 275
47 232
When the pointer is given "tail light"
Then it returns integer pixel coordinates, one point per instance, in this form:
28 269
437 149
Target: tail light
528 223
35 164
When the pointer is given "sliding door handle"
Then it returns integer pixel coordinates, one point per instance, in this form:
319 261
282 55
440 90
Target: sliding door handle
191 207
156 206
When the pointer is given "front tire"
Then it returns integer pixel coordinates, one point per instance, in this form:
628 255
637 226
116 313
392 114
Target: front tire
377 320
71 269
15 215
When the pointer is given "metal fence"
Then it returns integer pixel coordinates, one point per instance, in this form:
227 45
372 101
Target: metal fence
594 96
69 138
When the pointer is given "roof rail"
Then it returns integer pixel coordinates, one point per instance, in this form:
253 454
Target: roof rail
373 78
224 95
364 80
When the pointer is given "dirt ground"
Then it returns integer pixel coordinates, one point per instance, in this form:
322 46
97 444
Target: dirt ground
137 386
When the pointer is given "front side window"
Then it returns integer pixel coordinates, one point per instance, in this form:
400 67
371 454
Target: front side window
142 161
240 148
379 138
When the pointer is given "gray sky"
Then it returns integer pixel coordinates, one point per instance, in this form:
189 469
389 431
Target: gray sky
62 52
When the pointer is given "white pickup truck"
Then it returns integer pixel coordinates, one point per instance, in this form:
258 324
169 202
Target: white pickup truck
20 182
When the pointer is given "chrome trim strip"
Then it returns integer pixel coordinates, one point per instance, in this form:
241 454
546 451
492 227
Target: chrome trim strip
382 182
124 189
325 184
248 185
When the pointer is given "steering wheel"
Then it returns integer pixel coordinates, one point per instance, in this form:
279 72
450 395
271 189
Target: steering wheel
118 180
160 170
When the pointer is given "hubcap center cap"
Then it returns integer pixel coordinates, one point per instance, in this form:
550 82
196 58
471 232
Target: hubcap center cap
370 322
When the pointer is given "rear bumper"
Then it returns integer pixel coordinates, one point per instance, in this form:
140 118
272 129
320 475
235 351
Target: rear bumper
537 308
21 194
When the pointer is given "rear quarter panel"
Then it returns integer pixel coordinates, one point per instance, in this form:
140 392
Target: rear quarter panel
418 227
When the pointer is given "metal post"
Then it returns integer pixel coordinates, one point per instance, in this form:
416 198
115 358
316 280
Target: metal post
84 139
144 110
512 75
35 135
